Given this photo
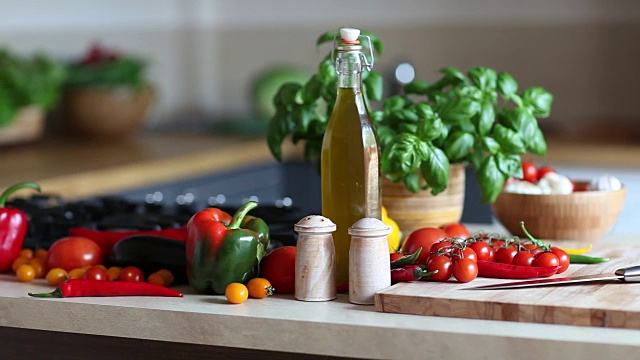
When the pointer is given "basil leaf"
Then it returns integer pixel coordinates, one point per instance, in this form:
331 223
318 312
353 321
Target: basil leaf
412 182
458 110
403 156
537 143
377 44
491 179
522 121
484 78
302 116
430 128
453 73
276 132
538 100
491 145
435 170
286 95
327 37
386 136
393 104
510 141
458 145
507 85
377 117
418 87
407 128
312 89
510 165
374 86
484 119
327 71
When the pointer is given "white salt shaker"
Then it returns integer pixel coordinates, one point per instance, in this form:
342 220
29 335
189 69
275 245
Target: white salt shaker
315 259
369 265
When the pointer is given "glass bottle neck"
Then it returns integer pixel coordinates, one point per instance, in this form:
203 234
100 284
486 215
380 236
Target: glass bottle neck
349 67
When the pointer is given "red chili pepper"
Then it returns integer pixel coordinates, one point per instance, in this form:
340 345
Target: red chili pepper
492 269
408 273
107 239
13 227
404 260
84 288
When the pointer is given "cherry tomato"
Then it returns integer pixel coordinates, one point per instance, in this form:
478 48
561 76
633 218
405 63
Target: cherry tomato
442 246
533 248
544 170
113 273
505 255
42 255
466 253
236 293
25 273
21 260
28 253
456 230
465 270
442 264
496 244
422 238
492 253
167 275
563 259
529 171
73 252
77 273
56 276
131 273
259 288
523 258
545 259
95 273
482 250
279 267
156 279
39 266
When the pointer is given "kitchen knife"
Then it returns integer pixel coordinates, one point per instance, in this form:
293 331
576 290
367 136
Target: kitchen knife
630 274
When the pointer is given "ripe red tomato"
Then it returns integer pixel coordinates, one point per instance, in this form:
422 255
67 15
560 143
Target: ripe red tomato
423 238
279 267
563 258
482 250
533 249
505 255
443 246
529 171
456 230
442 264
544 170
466 253
523 258
545 259
465 270
73 252
131 273
95 273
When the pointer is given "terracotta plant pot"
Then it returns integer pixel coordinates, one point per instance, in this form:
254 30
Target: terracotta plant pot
106 113
27 126
413 211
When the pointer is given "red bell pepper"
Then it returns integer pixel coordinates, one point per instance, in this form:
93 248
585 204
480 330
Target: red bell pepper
13 227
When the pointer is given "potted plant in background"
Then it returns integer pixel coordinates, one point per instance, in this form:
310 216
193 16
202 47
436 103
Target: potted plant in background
106 94
427 135
29 86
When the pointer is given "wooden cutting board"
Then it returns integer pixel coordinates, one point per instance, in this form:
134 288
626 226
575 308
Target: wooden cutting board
611 304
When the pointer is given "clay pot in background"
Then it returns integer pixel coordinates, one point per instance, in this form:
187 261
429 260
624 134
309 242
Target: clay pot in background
106 113
27 126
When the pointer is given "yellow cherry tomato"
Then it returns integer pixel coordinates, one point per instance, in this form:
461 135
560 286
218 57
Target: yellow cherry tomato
113 273
39 266
42 255
19 261
25 273
28 253
236 293
260 288
167 275
77 273
56 276
156 279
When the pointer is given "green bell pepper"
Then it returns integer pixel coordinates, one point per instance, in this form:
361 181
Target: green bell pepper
222 250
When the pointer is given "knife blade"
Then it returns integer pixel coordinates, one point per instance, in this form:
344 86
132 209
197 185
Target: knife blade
630 274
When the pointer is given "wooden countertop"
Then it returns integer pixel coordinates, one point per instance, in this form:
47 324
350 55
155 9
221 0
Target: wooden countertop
77 168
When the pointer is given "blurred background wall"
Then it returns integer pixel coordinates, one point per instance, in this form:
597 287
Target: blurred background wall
205 54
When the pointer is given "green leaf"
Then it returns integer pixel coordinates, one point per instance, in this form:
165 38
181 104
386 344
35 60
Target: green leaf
418 87
458 110
386 136
453 73
491 179
286 95
510 141
7 109
412 182
507 85
537 143
538 100
327 71
393 104
458 145
510 165
312 89
490 145
523 122
374 83
403 156
407 128
327 37
435 170
377 116
484 78
302 116
378 46
276 132
430 127
484 119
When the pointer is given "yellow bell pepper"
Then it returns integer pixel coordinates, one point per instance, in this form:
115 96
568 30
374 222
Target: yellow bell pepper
395 235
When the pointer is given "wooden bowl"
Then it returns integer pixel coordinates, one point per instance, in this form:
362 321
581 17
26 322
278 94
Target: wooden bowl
585 216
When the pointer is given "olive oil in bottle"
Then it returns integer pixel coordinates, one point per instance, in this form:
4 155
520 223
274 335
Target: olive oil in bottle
350 170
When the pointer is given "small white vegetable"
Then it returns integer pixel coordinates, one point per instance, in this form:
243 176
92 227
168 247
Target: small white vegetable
523 187
553 183
605 183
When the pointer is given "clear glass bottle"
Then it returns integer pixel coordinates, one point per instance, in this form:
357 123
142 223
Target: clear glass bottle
350 165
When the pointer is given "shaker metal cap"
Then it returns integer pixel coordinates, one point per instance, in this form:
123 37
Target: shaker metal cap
369 227
315 224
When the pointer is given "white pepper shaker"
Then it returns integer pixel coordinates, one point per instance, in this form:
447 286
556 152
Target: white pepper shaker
315 259
369 265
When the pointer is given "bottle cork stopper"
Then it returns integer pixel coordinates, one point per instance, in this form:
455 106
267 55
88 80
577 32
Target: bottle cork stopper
349 35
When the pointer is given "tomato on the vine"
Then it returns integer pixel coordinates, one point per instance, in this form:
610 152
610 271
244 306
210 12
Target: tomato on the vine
546 258
422 238
483 251
466 253
532 248
441 246
442 264
456 230
563 259
529 171
523 258
505 255
465 270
